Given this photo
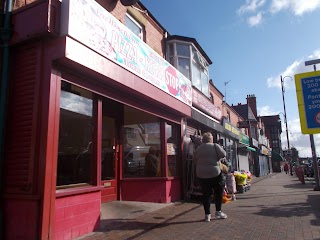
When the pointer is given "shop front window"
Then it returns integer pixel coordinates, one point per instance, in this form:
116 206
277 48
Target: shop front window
142 144
173 142
231 154
75 156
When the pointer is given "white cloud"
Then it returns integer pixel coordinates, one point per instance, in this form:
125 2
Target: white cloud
266 111
298 7
296 139
296 67
255 20
251 6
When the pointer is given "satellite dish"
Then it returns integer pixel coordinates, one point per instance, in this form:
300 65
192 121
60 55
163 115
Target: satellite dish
128 2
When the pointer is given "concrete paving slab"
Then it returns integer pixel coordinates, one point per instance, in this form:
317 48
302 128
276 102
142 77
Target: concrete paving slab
278 206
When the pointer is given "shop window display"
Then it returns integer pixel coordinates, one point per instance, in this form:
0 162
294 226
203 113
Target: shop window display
75 156
172 134
142 144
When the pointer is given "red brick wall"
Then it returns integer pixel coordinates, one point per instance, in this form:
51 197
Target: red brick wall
77 215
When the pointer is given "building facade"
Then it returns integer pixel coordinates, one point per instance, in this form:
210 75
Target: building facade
96 114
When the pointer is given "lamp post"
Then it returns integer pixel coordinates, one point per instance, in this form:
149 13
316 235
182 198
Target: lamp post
285 119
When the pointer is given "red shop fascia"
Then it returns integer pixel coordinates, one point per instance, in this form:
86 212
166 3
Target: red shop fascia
63 79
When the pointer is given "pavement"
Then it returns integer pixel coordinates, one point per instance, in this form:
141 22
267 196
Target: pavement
277 206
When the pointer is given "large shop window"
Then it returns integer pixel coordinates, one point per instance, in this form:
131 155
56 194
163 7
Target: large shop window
75 156
173 142
231 153
142 144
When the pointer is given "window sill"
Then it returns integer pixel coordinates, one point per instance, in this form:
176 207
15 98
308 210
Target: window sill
76 191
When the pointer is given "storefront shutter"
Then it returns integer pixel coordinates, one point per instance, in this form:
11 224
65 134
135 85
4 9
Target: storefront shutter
22 119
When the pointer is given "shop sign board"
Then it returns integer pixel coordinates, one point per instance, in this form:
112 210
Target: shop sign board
264 150
254 142
243 124
244 139
231 128
308 97
203 103
89 23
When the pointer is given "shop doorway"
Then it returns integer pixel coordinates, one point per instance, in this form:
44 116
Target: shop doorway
112 115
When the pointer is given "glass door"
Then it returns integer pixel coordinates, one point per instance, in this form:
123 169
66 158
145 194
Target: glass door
111 113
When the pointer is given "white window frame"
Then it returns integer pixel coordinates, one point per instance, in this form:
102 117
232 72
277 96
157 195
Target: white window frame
201 61
137 24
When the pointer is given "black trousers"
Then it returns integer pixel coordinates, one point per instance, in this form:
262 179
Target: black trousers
207 184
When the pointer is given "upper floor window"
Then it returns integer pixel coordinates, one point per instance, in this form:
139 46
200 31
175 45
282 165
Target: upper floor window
188 60
228 116
211 98
134 26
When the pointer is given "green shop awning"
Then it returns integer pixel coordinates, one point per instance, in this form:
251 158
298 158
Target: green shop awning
251 149
276 156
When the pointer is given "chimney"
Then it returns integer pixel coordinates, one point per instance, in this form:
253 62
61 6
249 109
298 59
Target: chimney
252 103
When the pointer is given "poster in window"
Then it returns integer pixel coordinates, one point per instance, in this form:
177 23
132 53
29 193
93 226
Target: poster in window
171 149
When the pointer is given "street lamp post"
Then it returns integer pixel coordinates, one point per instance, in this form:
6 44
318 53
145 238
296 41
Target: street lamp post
285 119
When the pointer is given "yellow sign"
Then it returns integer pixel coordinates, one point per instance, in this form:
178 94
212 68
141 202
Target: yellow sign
308 97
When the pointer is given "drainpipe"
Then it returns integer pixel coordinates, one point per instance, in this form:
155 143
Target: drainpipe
5 36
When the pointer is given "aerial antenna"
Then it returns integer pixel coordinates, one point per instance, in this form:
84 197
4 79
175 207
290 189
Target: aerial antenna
225 90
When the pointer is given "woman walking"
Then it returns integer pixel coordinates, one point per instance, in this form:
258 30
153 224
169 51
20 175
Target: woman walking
207 158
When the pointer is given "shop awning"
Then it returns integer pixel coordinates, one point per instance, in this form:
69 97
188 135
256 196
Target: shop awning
276 156
251 149
206 120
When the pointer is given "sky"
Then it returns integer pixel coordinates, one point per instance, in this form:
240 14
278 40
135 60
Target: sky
251 44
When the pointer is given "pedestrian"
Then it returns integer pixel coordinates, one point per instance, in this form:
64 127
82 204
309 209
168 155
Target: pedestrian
151 166
286 168
207 159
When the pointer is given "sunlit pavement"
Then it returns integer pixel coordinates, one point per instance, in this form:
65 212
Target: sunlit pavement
277 207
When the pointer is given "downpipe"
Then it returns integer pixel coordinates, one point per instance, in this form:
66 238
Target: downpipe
5 36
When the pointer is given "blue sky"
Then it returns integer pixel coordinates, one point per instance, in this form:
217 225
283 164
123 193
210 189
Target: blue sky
251 43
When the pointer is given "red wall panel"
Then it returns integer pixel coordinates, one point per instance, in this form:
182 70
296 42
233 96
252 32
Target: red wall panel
77 215
151 190
23 221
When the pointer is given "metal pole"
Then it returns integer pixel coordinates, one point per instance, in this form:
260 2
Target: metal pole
314 157
285 120
315 164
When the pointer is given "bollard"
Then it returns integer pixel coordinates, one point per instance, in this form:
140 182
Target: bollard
300 174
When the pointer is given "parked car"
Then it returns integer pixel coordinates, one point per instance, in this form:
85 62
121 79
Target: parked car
134 158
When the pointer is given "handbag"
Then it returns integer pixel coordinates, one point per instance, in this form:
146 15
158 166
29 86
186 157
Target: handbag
224 168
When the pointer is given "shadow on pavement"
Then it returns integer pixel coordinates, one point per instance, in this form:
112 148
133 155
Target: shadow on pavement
310 207
134 224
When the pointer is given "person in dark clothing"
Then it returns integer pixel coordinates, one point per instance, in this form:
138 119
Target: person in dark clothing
207 159
151 166
286 168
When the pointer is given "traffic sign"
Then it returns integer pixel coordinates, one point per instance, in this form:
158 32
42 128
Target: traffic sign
308 96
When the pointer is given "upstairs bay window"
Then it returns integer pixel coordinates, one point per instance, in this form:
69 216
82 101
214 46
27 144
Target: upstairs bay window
190 62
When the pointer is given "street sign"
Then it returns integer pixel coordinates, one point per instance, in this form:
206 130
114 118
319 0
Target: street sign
308 96
243 124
